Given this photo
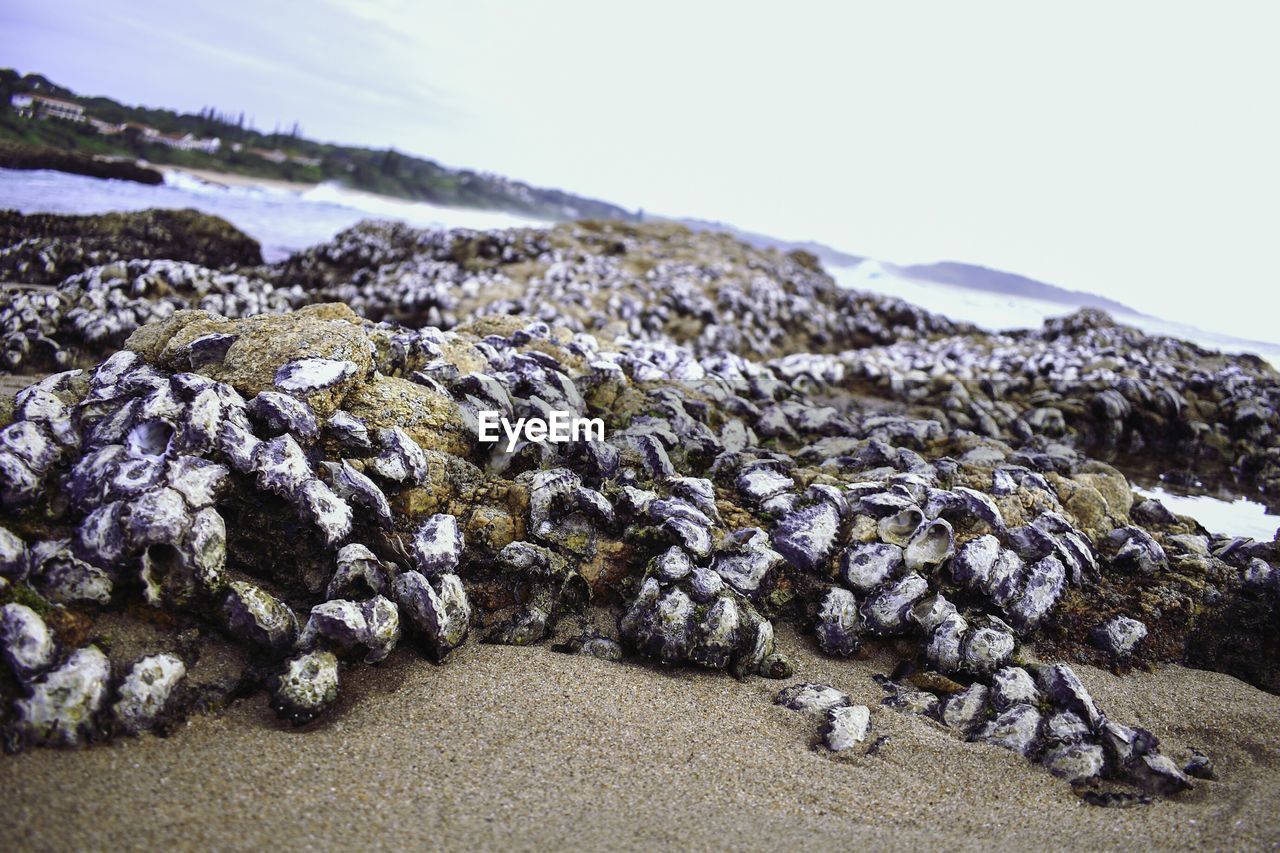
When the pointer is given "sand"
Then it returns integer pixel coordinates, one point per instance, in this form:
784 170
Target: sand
530 749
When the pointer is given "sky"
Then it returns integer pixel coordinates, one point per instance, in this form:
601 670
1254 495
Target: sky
1124 148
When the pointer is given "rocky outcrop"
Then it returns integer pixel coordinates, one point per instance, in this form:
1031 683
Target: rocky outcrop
305 479
45 248
13 156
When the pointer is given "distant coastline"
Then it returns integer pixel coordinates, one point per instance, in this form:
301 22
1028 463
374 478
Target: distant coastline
38 113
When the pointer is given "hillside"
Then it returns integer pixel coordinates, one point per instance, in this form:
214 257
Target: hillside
242 149
977 277
823 252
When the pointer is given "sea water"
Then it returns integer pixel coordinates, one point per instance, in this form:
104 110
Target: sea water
282 220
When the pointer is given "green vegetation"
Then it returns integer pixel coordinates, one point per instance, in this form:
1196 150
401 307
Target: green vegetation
387 172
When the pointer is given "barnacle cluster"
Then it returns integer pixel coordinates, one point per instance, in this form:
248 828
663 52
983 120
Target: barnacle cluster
775 449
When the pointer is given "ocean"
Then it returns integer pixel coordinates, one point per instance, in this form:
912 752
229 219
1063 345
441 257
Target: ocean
282 220
999 311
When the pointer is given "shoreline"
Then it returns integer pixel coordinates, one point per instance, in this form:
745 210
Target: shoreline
231 180
403 208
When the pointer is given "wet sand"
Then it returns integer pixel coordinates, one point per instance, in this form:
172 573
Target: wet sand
530 749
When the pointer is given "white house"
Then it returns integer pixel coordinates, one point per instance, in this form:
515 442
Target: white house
38 106
188 142
275 155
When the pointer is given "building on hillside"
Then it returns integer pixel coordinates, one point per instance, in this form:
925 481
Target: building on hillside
275 155
189 142
142 131
39 106
106 128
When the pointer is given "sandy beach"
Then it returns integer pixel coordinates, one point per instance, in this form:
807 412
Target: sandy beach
232 179
530 749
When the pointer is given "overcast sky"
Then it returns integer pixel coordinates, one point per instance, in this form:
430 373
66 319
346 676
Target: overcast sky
1123 148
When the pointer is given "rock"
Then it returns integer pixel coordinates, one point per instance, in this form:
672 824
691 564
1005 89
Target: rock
1119 636
1200 766
265 344
839 627
1077 762
62 707
430 419
1016 728
257 617
185 235
1013 685
305 688
144 694
26 641
964 710
811 698
845 727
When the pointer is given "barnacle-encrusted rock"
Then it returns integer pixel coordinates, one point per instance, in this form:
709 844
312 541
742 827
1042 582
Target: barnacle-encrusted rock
262 346
437 545
845 727
436 609
811 698
350 627
839 627
306 687
257 617
1119 636
1016 728
428 418
1076 762
26 641
146 690
182 234
664 622
310 428
744 559
62 707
